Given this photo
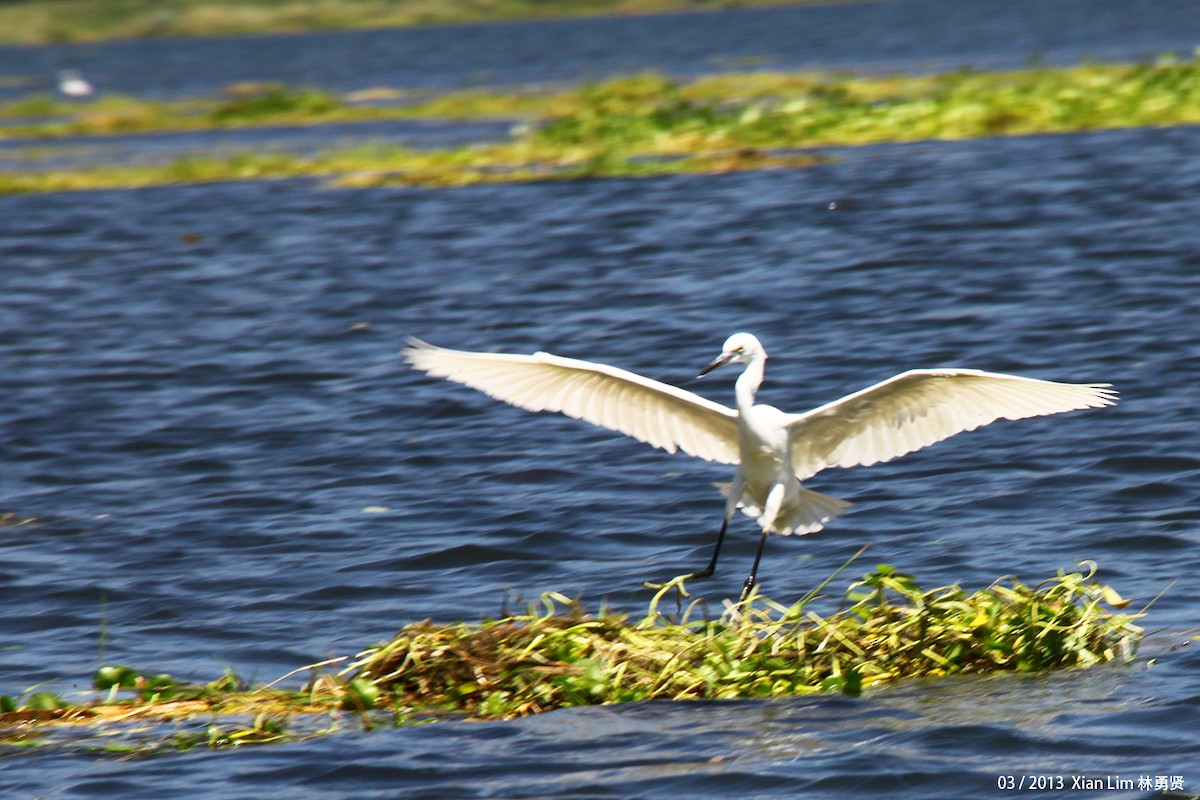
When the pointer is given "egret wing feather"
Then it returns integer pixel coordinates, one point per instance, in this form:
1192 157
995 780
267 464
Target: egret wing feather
657 413
917 408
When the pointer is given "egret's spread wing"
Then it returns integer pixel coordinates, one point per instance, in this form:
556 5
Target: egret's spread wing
922 406
652 412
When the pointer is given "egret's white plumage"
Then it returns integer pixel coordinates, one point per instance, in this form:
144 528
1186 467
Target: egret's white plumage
774 450
72 84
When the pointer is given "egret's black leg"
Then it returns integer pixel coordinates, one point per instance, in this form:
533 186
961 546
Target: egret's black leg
731 504
712 565
754 569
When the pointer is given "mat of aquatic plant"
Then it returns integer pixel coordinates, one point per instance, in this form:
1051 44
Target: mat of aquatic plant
885 628
641 125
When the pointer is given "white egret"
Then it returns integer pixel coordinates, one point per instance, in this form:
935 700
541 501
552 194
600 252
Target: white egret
72 84
774 451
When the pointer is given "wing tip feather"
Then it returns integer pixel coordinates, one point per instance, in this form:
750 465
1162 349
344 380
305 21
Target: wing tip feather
414 348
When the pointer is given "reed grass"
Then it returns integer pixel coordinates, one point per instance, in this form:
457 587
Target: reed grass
884 629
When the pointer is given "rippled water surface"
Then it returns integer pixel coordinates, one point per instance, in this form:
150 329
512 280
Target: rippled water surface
205 412
896 34
150 148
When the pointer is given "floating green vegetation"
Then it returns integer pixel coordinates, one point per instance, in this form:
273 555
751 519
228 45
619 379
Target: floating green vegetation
143 713
641 125
892 629
375 165
39 22
775 110
240 105
746 109
559 655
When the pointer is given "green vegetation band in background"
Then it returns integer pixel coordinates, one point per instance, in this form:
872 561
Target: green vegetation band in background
48 21
640 125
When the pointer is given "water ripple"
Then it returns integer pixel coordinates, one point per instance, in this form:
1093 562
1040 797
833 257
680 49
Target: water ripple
228 461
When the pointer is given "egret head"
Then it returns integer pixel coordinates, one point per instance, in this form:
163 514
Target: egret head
738 349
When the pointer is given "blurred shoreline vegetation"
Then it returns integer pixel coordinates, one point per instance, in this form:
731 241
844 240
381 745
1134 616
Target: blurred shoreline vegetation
32 22
646 124
883 629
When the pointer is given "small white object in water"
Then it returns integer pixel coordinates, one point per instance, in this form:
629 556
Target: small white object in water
72 84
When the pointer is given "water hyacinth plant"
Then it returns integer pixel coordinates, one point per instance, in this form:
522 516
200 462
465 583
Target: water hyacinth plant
891 629
884 629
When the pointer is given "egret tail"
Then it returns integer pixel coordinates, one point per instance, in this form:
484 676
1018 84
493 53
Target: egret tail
807 512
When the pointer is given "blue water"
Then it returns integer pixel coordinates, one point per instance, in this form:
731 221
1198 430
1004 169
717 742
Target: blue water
148 148
891 35
204 407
